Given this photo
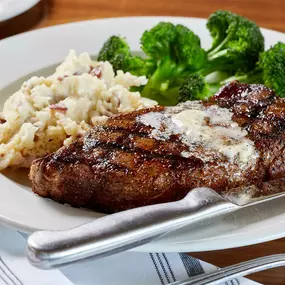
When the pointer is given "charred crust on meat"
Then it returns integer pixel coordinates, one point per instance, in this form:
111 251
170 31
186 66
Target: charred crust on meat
118 165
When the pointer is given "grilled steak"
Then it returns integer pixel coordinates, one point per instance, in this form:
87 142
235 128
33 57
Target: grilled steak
158 154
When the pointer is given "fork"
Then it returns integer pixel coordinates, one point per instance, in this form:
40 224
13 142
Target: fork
125 230
234 271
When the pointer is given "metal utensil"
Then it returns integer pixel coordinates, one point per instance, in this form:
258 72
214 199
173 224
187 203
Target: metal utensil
235 271
128 229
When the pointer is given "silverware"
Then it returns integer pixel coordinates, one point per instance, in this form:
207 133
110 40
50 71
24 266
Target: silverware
129 229
235 271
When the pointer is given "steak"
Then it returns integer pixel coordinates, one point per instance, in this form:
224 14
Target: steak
155 155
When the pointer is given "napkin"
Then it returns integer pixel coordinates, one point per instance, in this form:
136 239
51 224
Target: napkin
126 268
16 270
133 268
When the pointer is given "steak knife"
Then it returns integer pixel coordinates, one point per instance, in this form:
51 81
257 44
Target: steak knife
128 229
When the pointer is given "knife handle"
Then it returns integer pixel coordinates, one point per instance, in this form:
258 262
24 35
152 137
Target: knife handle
122 231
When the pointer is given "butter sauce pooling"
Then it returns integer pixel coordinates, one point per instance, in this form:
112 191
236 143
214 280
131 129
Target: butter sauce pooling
210 127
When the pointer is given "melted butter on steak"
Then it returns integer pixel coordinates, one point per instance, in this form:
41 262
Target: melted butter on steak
210 127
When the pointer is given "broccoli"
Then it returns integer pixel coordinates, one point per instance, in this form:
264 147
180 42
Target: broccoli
158 42
236 44
177 52
178 68
270 70
117 51
194 87
272 63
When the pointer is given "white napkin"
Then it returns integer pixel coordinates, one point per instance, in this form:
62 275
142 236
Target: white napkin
133 268
126 268
15 269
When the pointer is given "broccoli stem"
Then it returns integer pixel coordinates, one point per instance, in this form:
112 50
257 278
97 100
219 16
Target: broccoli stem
254 76
217 54
211 53
159 82
216 77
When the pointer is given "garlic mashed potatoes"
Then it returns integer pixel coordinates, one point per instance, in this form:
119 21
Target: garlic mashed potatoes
47 113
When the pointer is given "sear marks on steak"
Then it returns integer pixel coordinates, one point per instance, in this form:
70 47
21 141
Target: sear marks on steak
139 158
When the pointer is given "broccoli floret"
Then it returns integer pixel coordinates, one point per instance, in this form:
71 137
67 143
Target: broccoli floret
188 52
272 63
270 70
117 51
236 45
194 87
176 50
157 42
140 66
175 45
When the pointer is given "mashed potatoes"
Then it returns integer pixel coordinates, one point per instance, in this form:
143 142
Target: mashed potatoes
47 113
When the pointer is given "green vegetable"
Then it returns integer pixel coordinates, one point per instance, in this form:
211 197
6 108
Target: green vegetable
158 42
270 70
272 63
178 69
236 45
194 87
117 51
177 52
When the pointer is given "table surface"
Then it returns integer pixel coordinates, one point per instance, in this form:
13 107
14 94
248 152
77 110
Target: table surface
267 13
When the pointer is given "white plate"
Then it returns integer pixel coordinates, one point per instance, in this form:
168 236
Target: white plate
19 208
13 8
